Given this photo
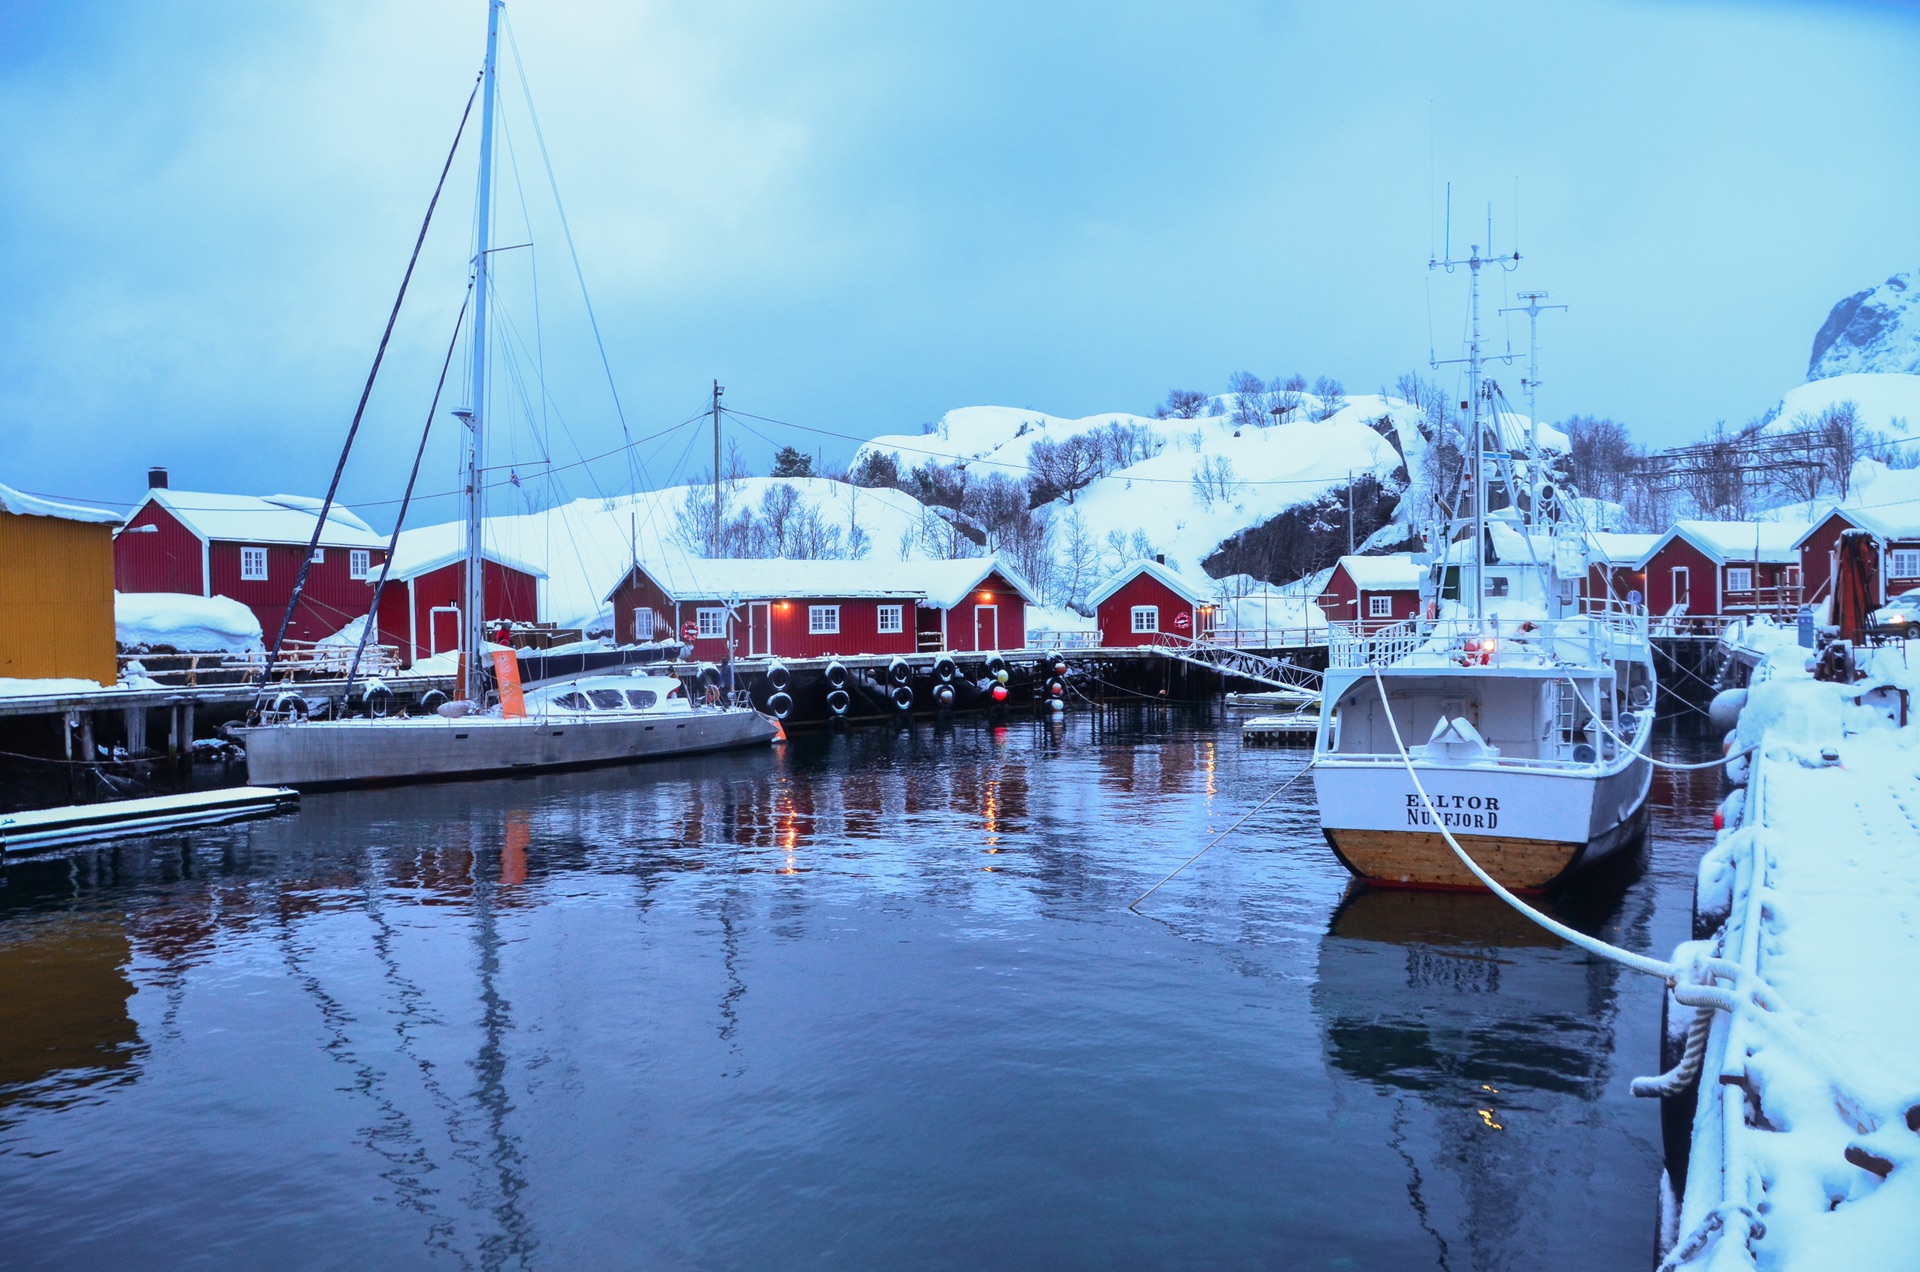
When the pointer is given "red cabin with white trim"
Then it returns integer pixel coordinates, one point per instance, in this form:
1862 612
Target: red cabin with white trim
1896 533
421 608
1374 591
1144 600
248 548
1724 567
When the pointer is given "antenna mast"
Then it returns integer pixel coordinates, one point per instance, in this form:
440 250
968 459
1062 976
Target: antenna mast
474 681
717 515
1477 448
1532 309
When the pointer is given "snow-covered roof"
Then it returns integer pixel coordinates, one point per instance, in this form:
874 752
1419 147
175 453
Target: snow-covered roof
185 622
1731 542
1607 547
429 548
263 519
25 505
941 584
1391 572
1899 520
1160 573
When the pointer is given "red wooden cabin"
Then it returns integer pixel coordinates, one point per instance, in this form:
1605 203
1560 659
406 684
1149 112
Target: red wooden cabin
248 548
421 608
1145 599
1373 591
1896 532
1724 567
817 609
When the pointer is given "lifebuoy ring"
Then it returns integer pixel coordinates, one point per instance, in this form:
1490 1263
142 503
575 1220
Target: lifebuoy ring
690 632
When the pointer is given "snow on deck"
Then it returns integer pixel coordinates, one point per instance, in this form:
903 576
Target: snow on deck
1827 1155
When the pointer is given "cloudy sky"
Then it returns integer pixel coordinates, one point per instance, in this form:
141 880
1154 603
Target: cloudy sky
858 216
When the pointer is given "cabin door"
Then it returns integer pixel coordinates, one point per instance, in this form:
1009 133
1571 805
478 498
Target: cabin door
986 627
759 628
443 629
1682 588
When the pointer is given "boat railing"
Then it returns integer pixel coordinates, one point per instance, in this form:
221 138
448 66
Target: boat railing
1592 638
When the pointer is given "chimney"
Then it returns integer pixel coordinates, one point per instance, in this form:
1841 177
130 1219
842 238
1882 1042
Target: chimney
1159 558
156 479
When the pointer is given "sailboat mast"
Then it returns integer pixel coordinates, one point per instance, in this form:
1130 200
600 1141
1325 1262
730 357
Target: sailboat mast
474 635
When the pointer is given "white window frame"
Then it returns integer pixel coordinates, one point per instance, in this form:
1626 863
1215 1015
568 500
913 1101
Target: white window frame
1146 620
253 565
1909 558
823 620
319 556
360 563
1495 586
1739 578
1379 607
710 621
644 624
890 620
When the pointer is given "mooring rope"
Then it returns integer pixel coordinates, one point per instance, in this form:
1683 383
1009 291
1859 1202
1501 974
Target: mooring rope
1303 771
1594 713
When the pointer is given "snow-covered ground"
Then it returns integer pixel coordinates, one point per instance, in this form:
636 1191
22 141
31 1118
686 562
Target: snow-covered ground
1826 1155
190 624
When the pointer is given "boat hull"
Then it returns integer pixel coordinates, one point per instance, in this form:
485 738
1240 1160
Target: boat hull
312 755
1528 829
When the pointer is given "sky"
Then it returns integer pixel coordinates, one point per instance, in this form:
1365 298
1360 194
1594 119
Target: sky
857 216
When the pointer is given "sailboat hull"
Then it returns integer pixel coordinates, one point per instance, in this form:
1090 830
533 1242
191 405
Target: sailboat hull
358 752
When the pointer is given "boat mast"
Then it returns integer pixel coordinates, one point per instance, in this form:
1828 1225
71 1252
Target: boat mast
718 514
1533 309
474 642
1477 442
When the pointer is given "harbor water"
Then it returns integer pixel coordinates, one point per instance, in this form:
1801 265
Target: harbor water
872 999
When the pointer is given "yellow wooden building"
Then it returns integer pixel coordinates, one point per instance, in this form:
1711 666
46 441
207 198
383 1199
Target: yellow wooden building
56 590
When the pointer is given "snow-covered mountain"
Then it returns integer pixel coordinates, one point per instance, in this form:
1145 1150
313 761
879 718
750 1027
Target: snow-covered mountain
1874 330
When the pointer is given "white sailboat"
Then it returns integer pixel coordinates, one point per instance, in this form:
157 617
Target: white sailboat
1525 712
596 719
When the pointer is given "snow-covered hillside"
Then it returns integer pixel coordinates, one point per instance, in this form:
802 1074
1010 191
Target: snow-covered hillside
1874 330
1887 403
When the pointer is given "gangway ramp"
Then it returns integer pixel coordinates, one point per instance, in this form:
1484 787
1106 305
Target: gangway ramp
1226 660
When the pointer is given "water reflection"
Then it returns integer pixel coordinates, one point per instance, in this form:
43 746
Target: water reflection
873 999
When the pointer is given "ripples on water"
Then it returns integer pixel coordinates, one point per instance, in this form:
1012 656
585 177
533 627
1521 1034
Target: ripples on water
873 1000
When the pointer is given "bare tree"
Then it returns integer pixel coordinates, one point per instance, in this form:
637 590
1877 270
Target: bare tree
1061 469
1079 559
1601 457
1332 395
1285 398
1847 441
1249 400
1182 404
1214 481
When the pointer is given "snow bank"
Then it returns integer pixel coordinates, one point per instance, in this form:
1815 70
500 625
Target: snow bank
190 624
11 687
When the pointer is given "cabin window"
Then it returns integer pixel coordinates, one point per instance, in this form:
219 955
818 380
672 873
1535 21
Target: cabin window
710 623
889 620
823 620
607 699
643 623
1906 563
1496 585
1379 607
1739 578
1450 583
359 563
642 698
253 563
1146 618
571 701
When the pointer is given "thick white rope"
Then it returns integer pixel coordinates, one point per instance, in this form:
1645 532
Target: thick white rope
1626 958
1593 713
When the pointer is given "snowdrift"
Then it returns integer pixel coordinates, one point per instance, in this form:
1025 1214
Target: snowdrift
190 624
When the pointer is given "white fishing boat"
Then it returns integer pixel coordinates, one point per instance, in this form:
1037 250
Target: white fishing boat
493 727
1524 709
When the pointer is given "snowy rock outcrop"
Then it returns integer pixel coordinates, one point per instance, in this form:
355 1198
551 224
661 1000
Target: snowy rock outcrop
1874 330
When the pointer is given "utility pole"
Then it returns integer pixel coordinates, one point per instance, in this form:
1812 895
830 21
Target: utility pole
717 391
1349 512
1532 309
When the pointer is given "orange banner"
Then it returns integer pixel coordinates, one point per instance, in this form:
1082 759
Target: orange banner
506 671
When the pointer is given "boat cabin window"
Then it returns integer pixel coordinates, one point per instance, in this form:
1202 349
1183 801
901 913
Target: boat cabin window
571 701
1450 584
607 699
642 698
1496 585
